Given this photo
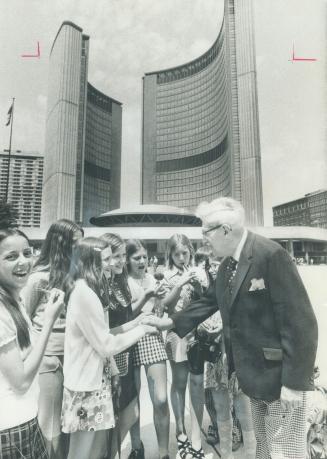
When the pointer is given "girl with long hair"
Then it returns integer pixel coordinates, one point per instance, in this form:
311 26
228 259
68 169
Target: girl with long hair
89 348
119 296
50 270
20 353
184 285
149 351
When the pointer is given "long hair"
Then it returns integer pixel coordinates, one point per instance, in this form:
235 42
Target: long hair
86 263
203 254
133 246
9 301
173 242
119 285
56 251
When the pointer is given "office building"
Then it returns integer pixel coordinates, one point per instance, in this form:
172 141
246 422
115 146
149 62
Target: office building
83 136
311 210
200 123
25 185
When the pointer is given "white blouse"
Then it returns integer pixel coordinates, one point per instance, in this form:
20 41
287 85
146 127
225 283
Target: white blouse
137 288
16 407
86 339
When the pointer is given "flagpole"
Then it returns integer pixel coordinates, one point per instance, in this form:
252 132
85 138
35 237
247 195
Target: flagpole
9 150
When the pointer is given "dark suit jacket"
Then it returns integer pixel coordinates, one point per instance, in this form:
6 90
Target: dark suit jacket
271 332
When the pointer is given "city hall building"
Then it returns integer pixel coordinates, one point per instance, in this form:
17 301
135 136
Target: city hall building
82 164
200 137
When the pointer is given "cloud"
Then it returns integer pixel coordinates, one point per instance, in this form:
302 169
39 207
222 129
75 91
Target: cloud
42 101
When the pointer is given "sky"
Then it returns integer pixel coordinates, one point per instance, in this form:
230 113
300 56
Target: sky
131 37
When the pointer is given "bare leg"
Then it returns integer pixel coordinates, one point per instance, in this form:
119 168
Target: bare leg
49 412
221 400
135 430
243 412
196 408
180 373
157 381
80 445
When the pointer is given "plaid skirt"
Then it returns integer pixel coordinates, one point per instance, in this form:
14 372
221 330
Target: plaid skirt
150 349
23 442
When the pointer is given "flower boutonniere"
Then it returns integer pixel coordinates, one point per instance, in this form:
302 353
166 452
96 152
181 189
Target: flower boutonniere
257 284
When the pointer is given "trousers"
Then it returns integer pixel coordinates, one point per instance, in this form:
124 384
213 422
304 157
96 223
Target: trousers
280 434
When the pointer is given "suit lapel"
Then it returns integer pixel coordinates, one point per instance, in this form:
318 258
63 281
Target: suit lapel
243 266
222 279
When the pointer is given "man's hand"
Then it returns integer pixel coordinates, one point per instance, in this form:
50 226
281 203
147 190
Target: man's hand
162 323
290 399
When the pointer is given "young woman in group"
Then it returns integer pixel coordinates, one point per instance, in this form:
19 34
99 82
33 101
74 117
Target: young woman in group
89 349
149 351
119 298
50 271
20 353
184 286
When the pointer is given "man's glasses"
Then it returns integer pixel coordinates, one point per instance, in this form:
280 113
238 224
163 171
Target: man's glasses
205 232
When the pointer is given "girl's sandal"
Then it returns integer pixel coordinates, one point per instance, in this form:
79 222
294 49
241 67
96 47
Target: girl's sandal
197 454
184 447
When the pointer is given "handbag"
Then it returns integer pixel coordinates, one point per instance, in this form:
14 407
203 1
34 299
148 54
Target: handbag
200 351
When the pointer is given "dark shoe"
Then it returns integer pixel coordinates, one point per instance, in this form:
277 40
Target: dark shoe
236 444
184 447
197 454
212 436
137 453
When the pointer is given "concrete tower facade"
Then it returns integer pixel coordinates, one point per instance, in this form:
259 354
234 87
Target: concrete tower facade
200 123
78 158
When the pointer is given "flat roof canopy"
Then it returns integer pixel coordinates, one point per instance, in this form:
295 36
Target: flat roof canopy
147 215
193 232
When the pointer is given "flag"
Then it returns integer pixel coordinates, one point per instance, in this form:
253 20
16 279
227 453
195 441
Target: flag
9 115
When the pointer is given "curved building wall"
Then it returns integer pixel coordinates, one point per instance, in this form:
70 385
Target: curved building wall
193 126
101 165
83 136
62 125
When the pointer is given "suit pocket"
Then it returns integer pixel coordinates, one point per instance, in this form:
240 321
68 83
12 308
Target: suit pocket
257 292
271 353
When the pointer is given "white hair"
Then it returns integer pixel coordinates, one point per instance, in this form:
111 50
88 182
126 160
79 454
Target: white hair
220 211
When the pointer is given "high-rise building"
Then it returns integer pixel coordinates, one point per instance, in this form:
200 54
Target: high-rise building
311 210
25 185
83 136
200 135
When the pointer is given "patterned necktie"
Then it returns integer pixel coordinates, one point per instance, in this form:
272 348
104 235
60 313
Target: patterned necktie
231 271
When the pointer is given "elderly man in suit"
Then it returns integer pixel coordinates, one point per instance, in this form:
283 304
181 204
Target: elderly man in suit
270 330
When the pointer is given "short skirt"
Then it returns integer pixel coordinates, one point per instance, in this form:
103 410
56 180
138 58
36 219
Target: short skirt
216 377
89 411
150 349
23 441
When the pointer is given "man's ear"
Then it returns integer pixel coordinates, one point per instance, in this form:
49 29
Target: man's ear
227 228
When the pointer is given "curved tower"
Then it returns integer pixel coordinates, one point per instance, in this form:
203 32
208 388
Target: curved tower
200 135
83 136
